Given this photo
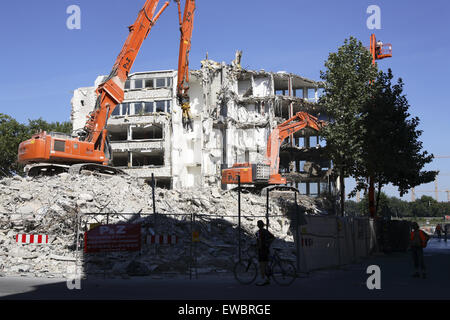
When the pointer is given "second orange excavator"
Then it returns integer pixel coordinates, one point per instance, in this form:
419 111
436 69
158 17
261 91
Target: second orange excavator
267 172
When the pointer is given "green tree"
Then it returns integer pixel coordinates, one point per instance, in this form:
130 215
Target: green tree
352 208
11 134
347 89
422 207
392 206
399 207
392 152
35 126
385 205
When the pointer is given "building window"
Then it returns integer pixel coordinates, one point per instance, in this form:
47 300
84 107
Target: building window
118 134
322 142
160 106
140 159
138 108
149 83
142 107
160 82
302 188
138 84
120 159
127 84
301 165
144 133
148 107
116 111
301 142
313 141
313 189
124 108
247 156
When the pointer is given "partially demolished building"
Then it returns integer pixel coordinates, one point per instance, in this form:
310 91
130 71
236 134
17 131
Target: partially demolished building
233 111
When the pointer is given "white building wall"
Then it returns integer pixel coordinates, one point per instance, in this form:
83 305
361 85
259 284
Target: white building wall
83 101
262 86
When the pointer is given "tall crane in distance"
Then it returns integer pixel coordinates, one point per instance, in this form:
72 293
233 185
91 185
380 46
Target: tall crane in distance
186 26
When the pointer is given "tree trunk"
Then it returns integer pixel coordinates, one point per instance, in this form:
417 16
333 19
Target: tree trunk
342 185
378 198
372 209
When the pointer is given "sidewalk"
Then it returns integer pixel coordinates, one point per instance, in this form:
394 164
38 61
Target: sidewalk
348 282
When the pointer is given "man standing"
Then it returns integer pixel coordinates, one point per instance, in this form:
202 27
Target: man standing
418 242
263 241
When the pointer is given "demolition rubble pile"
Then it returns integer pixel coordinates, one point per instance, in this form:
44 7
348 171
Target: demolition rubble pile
53 205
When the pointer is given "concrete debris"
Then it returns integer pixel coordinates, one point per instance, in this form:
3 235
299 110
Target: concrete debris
51 206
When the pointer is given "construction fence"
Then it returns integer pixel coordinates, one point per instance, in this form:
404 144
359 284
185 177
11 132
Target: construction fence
180 244
187 244
195 243
328 242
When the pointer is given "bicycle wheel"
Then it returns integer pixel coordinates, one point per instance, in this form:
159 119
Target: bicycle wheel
283 272
245 271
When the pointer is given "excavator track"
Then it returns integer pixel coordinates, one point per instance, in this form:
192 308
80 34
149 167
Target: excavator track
262 189
95 167
51 169
45 169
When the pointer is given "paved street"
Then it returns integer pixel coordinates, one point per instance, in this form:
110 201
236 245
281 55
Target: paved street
346 283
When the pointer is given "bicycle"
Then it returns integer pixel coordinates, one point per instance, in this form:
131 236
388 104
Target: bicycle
282 271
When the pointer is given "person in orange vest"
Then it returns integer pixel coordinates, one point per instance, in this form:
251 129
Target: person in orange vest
418 242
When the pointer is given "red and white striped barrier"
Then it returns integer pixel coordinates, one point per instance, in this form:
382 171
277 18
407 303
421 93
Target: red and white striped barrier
32 238
162 239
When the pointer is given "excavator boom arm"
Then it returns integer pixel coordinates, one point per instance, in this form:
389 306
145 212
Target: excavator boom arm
186 26
110 93
298 122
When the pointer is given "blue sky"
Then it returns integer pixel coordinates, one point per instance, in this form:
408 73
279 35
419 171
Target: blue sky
43 61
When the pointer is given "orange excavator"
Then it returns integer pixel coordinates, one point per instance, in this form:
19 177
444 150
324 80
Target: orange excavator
266 173
50 153
186 26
